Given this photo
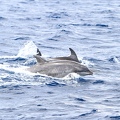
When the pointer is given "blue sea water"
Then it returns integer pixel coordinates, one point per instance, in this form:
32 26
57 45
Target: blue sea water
91 28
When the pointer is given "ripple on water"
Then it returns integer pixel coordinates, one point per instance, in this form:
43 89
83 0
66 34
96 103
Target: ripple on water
2 18
91 27
113 117
80 99
57 15
101 25
99 82
87 114
22 38
82 80
115 59
54 83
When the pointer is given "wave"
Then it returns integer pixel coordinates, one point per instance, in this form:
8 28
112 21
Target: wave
57 15
17 74
91 25
114 59
86 114
27 50
2 18
117 117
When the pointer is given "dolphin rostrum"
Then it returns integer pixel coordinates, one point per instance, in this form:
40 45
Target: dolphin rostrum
58 67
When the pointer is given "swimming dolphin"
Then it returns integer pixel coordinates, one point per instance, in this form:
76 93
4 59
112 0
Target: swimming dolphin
72 56
58 68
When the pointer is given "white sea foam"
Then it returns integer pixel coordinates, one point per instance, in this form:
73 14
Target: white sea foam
27 50
116 60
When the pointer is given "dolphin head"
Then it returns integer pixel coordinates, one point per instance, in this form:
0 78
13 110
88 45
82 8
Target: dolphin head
83 70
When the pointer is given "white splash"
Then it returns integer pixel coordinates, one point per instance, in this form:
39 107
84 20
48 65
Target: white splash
13 68
71 76
116 60
27 50
86 63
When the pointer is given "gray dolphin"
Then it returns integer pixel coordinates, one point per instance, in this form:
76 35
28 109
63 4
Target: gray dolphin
72 56
58 68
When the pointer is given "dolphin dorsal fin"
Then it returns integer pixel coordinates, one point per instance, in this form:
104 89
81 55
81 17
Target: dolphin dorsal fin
40 59
38 52
73 55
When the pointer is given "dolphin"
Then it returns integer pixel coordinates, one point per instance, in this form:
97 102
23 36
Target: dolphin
58 68
72 56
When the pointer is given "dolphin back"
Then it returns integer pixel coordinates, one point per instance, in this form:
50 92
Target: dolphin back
73 56
39 59
60 68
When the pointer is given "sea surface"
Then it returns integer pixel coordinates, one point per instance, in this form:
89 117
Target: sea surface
91 28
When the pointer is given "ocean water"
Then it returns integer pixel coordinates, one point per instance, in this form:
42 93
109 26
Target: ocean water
91 28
